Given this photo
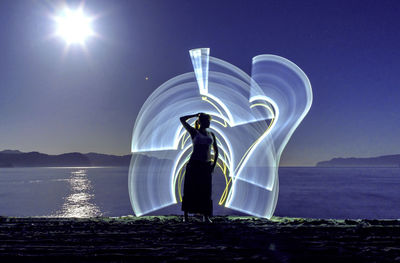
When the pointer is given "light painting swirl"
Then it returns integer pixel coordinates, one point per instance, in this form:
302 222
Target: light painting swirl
252 117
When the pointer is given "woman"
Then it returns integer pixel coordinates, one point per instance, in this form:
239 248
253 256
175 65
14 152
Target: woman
197 186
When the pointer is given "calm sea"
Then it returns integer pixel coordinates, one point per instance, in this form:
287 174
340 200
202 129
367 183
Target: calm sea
304 192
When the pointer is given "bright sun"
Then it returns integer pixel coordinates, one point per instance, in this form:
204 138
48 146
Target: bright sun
74 26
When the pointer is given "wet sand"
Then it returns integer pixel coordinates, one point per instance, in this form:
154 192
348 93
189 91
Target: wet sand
168 239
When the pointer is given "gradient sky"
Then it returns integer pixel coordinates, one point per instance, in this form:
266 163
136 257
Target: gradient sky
88 102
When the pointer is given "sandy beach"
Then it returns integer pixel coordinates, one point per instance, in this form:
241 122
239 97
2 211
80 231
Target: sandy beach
168 239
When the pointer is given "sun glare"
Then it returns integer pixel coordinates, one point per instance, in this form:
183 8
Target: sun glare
74 26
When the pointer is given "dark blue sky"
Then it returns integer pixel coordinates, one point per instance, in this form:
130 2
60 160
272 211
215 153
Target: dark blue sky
55 104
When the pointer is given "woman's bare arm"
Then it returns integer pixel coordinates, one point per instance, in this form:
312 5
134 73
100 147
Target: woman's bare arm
190 129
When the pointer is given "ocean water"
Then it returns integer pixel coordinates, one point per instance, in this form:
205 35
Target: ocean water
64 192
304 192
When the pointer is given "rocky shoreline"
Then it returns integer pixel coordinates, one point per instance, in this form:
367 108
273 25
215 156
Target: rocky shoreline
168 239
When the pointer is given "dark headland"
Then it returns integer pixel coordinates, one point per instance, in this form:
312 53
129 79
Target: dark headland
15 158
168 239
379 161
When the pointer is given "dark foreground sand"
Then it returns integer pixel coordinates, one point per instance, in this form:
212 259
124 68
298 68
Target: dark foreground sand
168 239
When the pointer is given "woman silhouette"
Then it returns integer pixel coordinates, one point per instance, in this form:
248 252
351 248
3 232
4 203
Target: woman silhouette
197 185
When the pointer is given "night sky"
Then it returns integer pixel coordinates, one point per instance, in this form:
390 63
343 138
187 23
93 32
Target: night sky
55 101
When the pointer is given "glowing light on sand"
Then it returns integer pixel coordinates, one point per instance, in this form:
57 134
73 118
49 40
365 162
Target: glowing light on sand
253 119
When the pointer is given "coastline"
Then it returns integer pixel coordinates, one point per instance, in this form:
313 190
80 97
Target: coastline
228 238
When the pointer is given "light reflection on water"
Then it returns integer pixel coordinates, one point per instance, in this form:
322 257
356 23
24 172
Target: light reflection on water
80 202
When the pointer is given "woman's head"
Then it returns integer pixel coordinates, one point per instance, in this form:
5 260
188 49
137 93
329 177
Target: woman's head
203 121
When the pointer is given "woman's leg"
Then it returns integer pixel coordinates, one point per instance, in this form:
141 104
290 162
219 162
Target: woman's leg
186 217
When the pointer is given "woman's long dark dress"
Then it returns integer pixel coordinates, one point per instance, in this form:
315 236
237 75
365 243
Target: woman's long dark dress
198 178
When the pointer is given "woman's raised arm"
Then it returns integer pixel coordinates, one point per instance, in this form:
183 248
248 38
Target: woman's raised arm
190 129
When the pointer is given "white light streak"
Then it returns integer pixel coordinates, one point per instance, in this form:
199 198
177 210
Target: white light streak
256 117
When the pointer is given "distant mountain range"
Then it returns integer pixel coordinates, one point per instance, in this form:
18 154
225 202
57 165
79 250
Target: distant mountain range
380 161
15 158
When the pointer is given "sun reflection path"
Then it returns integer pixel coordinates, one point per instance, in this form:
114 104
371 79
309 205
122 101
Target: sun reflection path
253 119
79 203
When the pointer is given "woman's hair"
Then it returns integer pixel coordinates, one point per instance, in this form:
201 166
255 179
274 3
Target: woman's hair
201 119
